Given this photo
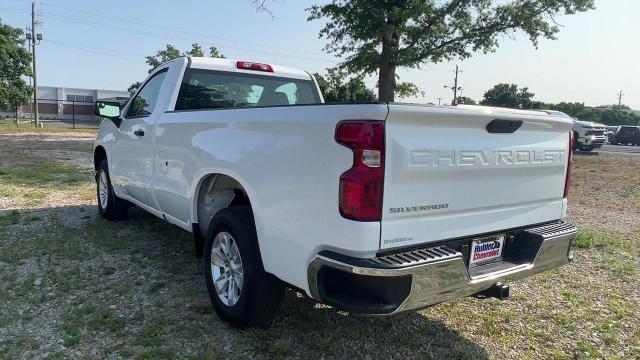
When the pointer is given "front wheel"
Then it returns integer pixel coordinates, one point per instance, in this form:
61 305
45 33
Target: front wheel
240 290
110 206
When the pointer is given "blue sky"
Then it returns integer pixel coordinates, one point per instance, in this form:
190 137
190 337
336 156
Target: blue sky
99 44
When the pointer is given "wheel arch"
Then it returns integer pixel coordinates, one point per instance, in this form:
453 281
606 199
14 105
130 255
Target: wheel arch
99 154
214 191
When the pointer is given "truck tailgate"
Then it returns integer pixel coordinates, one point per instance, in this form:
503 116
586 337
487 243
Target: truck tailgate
447 176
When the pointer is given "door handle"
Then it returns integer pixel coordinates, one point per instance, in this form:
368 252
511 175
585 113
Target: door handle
138 132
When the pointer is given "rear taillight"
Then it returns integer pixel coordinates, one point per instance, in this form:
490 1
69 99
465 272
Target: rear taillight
361 186
567 181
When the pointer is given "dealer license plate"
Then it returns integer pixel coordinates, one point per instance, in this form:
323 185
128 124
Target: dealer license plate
488 249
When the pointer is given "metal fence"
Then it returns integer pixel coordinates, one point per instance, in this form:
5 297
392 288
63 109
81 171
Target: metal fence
55 113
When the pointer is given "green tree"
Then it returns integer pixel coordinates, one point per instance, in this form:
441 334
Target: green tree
509 96
617 115
134 87
15 63
382 35
466 100
407 89
171 52
336 87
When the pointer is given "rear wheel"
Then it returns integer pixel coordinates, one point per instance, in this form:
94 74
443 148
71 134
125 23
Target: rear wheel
110 206
240 290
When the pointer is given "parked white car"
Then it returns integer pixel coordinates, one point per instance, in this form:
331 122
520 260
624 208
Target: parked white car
371 208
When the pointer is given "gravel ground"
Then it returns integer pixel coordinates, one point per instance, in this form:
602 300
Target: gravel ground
75 286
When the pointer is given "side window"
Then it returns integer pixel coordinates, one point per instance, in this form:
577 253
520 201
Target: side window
145 101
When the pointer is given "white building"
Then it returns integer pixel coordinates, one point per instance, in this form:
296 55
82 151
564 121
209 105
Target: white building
60 103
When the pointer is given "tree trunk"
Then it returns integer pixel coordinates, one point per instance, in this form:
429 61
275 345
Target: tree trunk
387 76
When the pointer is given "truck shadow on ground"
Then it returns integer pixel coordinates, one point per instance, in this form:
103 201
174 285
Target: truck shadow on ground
147 269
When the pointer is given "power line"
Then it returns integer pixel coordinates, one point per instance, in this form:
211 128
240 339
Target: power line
166 36
179 31
93 50
14 11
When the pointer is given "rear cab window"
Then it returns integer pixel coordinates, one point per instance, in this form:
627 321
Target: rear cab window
212 89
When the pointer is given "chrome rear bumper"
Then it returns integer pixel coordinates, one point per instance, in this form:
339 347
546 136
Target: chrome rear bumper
436 274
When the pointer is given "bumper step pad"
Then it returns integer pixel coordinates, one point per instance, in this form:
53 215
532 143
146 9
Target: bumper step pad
416 257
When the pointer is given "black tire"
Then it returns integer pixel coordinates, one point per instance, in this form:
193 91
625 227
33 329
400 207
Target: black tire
115 208
260 294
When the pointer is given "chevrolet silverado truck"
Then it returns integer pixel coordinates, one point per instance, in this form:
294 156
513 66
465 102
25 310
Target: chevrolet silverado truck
589 135
586 134
372 208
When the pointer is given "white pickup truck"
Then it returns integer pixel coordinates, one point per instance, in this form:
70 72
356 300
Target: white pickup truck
371 208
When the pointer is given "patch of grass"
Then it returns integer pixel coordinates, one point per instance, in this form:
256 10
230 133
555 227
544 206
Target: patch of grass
153 334
9 127
620 267
212 354
156 286
12 218
264 342
80 320
607 240
107 235
15 348
33 218
589 349
43 173
587 239
51 239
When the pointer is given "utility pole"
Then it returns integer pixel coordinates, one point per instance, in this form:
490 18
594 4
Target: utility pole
455 87
35 38
620 95
27 32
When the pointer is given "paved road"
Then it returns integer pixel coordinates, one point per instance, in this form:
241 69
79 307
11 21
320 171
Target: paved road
635 150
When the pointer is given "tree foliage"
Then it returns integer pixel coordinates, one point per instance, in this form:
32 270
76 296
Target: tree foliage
15 63
337 87
509 96
608 115
134 87
406 89
171 52
382 35
466 100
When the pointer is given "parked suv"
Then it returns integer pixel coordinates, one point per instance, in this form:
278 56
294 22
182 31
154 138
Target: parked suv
626 135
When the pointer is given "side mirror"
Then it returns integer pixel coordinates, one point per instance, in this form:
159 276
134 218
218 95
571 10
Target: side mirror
110 110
